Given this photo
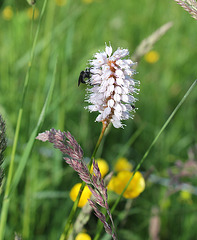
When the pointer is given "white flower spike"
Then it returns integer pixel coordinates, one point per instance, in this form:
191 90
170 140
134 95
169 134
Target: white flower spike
112 86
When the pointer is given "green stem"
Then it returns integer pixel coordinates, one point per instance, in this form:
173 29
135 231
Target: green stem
6 200
67 227
147 152
97 144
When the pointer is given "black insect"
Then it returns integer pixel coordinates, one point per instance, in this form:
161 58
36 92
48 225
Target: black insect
83 75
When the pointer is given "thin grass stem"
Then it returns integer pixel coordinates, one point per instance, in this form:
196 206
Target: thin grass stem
6 200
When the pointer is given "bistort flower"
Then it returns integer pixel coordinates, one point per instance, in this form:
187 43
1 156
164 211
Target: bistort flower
112 86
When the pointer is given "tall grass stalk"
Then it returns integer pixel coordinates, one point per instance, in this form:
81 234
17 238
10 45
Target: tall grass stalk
69 221
147 152
6 200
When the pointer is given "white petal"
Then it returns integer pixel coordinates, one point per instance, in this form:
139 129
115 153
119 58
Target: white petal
99 118
108 50
106 74
125 90
125 116
125 98
119 81
120 53
110 88
96 77
92 108
118 90
106 112
111 80
128 72
110 103
119 73
116 97
95 71
102 89
118 108
116 123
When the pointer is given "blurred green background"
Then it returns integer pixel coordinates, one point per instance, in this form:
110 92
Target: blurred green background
70 33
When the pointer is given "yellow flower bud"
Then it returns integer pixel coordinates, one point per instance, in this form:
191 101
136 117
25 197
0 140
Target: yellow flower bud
7 13
136 186
32 13
123 164
151 57
60 3
103 166
186 196
83 236
86 194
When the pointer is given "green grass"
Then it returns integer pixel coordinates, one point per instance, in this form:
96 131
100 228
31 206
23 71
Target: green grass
71 34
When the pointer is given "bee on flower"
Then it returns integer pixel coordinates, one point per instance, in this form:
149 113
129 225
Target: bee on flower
112 87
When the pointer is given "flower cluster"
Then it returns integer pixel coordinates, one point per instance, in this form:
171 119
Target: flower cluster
136 186
122 164
112 86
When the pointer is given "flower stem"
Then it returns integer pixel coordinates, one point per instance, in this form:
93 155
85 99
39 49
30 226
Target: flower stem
97 144
67 227
148 150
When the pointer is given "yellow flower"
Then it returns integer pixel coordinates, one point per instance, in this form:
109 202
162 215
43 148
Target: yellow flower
136 186
103 166
7 13
32 13
186 196
87 1
60 3
83 236
151 57
86 194
123 164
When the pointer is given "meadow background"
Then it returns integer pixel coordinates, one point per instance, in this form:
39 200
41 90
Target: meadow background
70 33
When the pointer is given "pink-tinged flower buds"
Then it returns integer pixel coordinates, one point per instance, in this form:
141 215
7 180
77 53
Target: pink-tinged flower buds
112 86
